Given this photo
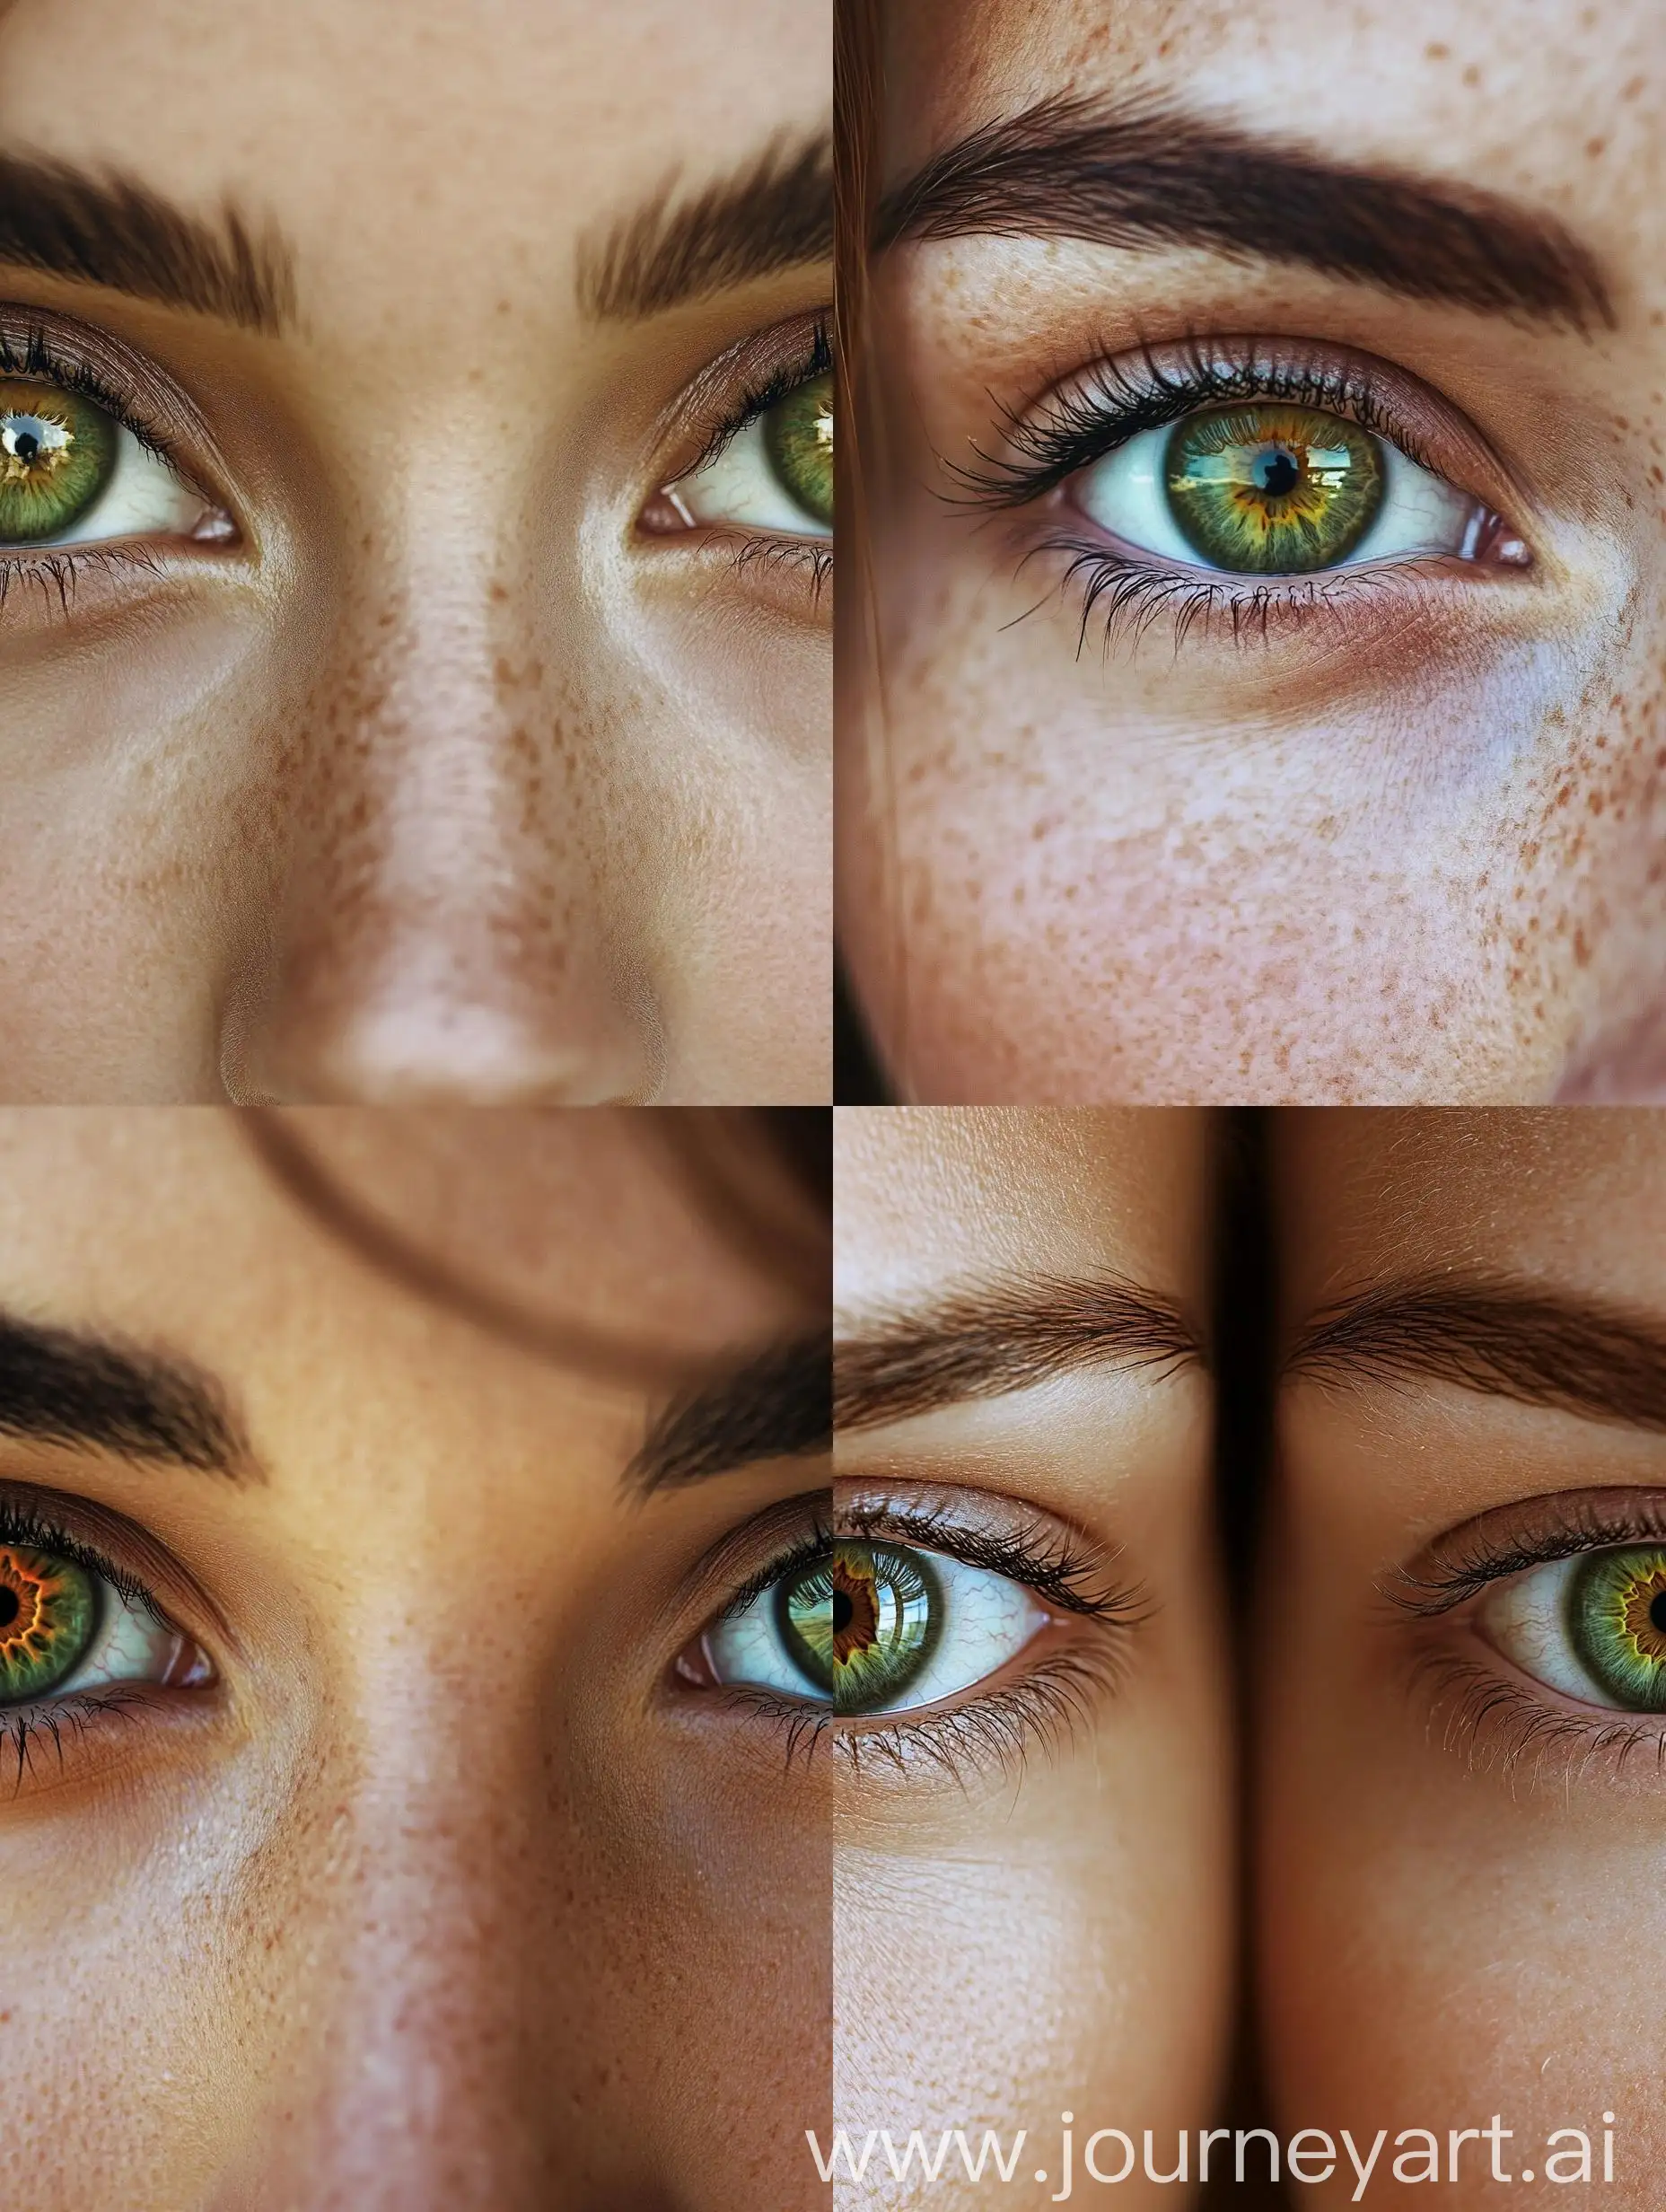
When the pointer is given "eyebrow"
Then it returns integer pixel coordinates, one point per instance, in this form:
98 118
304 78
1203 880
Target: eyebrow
113 230
101 1394
1134 176
1502 1338
987 1340
774 213
776 1405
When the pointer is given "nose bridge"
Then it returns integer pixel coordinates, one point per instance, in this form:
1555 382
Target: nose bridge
443 924
403 1928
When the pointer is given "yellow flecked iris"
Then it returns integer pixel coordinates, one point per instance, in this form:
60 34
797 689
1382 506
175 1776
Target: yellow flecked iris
798 437
1272 490
49 1612
1617 1616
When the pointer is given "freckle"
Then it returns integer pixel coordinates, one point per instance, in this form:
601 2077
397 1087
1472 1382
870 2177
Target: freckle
1631 88
1581 950
503 307
1438 52
1593 146
498 593
365 542
1472 75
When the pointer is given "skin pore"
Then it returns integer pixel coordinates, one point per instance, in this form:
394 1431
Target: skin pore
1459 1859
454 756
1030 1879
1392 835
448 1887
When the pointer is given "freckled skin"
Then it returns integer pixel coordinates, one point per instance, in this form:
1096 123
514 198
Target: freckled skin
435 1907
1410 851
449 783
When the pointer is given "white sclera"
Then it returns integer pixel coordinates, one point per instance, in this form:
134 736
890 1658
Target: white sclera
1124 494
1527 1620
130 1645
739 485
985 1620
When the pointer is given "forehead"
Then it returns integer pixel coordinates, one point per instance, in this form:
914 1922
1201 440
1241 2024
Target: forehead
167 1223
926 1195
490 133
1574 1196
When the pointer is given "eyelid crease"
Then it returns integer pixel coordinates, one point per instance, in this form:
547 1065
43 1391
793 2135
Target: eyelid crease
1055 1562
1431 1584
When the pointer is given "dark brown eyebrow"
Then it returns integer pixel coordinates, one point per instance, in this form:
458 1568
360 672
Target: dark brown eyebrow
113 230
99 1393
774 213
1132 176
776 1405
985 1340
1493 1334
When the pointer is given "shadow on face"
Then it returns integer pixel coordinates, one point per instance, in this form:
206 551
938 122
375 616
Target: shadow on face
1463 1672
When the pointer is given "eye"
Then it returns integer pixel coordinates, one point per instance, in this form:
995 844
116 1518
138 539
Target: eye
1593 1626
71 473
775 472
1269 489
872 1628
64 1628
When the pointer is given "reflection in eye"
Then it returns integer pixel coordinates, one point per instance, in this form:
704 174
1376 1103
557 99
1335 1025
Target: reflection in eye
64 1628
70 473
870 1627
1274 491
773 472
1593 1626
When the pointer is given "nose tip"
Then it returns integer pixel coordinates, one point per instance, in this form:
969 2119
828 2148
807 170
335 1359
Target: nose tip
405 1044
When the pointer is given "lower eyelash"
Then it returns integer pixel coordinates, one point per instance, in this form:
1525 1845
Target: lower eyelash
1500 1727
58 573
815 558
1129 595
26 1731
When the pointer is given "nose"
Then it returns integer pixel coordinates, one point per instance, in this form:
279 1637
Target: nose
451 903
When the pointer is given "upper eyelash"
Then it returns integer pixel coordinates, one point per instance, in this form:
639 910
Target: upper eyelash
19 1524
1584 1524
1099 415
1043 1558
40 359
759 398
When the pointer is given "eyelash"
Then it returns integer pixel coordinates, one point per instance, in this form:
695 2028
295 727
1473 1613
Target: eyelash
22 1726
1500 1723
757 398
995 1729
1116 401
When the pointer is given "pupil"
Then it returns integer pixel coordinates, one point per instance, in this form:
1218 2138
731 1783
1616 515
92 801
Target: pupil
844 1611
1657 1613
1279 474
10 1607
25 445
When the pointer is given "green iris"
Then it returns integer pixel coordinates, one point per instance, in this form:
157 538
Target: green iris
861 1624
1617 1618
57 453
798 437
1272 490
49 1614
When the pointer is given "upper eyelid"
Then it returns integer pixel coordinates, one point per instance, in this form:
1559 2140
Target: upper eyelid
121 1548
58 348
1428 428
712 408
1612 1518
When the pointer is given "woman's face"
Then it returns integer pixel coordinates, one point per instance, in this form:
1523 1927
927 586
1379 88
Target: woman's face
398 1856
1460 1704
414 661
1030 1813
1265 702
